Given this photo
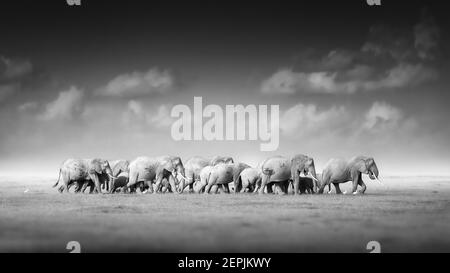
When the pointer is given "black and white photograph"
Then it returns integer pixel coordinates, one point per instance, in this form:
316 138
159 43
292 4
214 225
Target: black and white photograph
224 127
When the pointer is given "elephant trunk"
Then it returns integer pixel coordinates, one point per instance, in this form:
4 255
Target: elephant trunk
373 172
181 185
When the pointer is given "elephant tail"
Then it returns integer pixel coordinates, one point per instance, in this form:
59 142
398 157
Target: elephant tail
59 177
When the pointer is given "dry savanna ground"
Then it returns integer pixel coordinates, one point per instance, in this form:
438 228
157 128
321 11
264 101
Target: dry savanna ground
406 215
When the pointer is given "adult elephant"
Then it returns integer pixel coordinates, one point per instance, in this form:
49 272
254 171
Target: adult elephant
83 171
194 166
249 178
303 164
147 169
222 174
120 178
338 170
281 170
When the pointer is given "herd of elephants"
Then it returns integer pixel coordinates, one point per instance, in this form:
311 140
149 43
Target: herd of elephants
275 175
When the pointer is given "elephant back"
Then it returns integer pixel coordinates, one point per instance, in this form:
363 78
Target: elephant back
75 169
277 168
194 166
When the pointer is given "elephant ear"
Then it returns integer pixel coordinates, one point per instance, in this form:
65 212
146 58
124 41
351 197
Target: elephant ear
369 162
361 165
95 166
168 165
120 167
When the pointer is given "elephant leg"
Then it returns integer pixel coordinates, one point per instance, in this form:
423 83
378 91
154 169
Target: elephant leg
191 188
208 188
326 182
296 184
363 185
91 188
65 185
112 182
85 185
338 188
279 189
172 184
215 189
149 184
226 188
355 185
98 187
238 185
264 182
245 185
199 187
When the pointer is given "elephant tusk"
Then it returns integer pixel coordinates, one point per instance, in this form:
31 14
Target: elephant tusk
182 176
113 177
380 182
313 178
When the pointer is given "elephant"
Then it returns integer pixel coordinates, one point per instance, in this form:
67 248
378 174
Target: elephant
339 170
194 166
82 170
204 178
303 164
223 174
249 178
118 167
147 169
280 170
120 183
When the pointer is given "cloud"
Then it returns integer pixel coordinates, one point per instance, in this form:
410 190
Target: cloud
381 119
68 104
426 37
28 106
304 119
384 119
12 69
12 74
136 113
7 90
153 81
381 116
357 79
390 59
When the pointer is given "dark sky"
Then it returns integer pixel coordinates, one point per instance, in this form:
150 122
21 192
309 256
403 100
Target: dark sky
349 78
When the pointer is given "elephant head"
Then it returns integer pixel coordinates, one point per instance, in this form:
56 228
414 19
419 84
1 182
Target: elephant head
303 164
367 166
120 166
98 167
171 166
178 166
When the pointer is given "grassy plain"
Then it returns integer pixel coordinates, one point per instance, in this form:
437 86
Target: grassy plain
408 215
